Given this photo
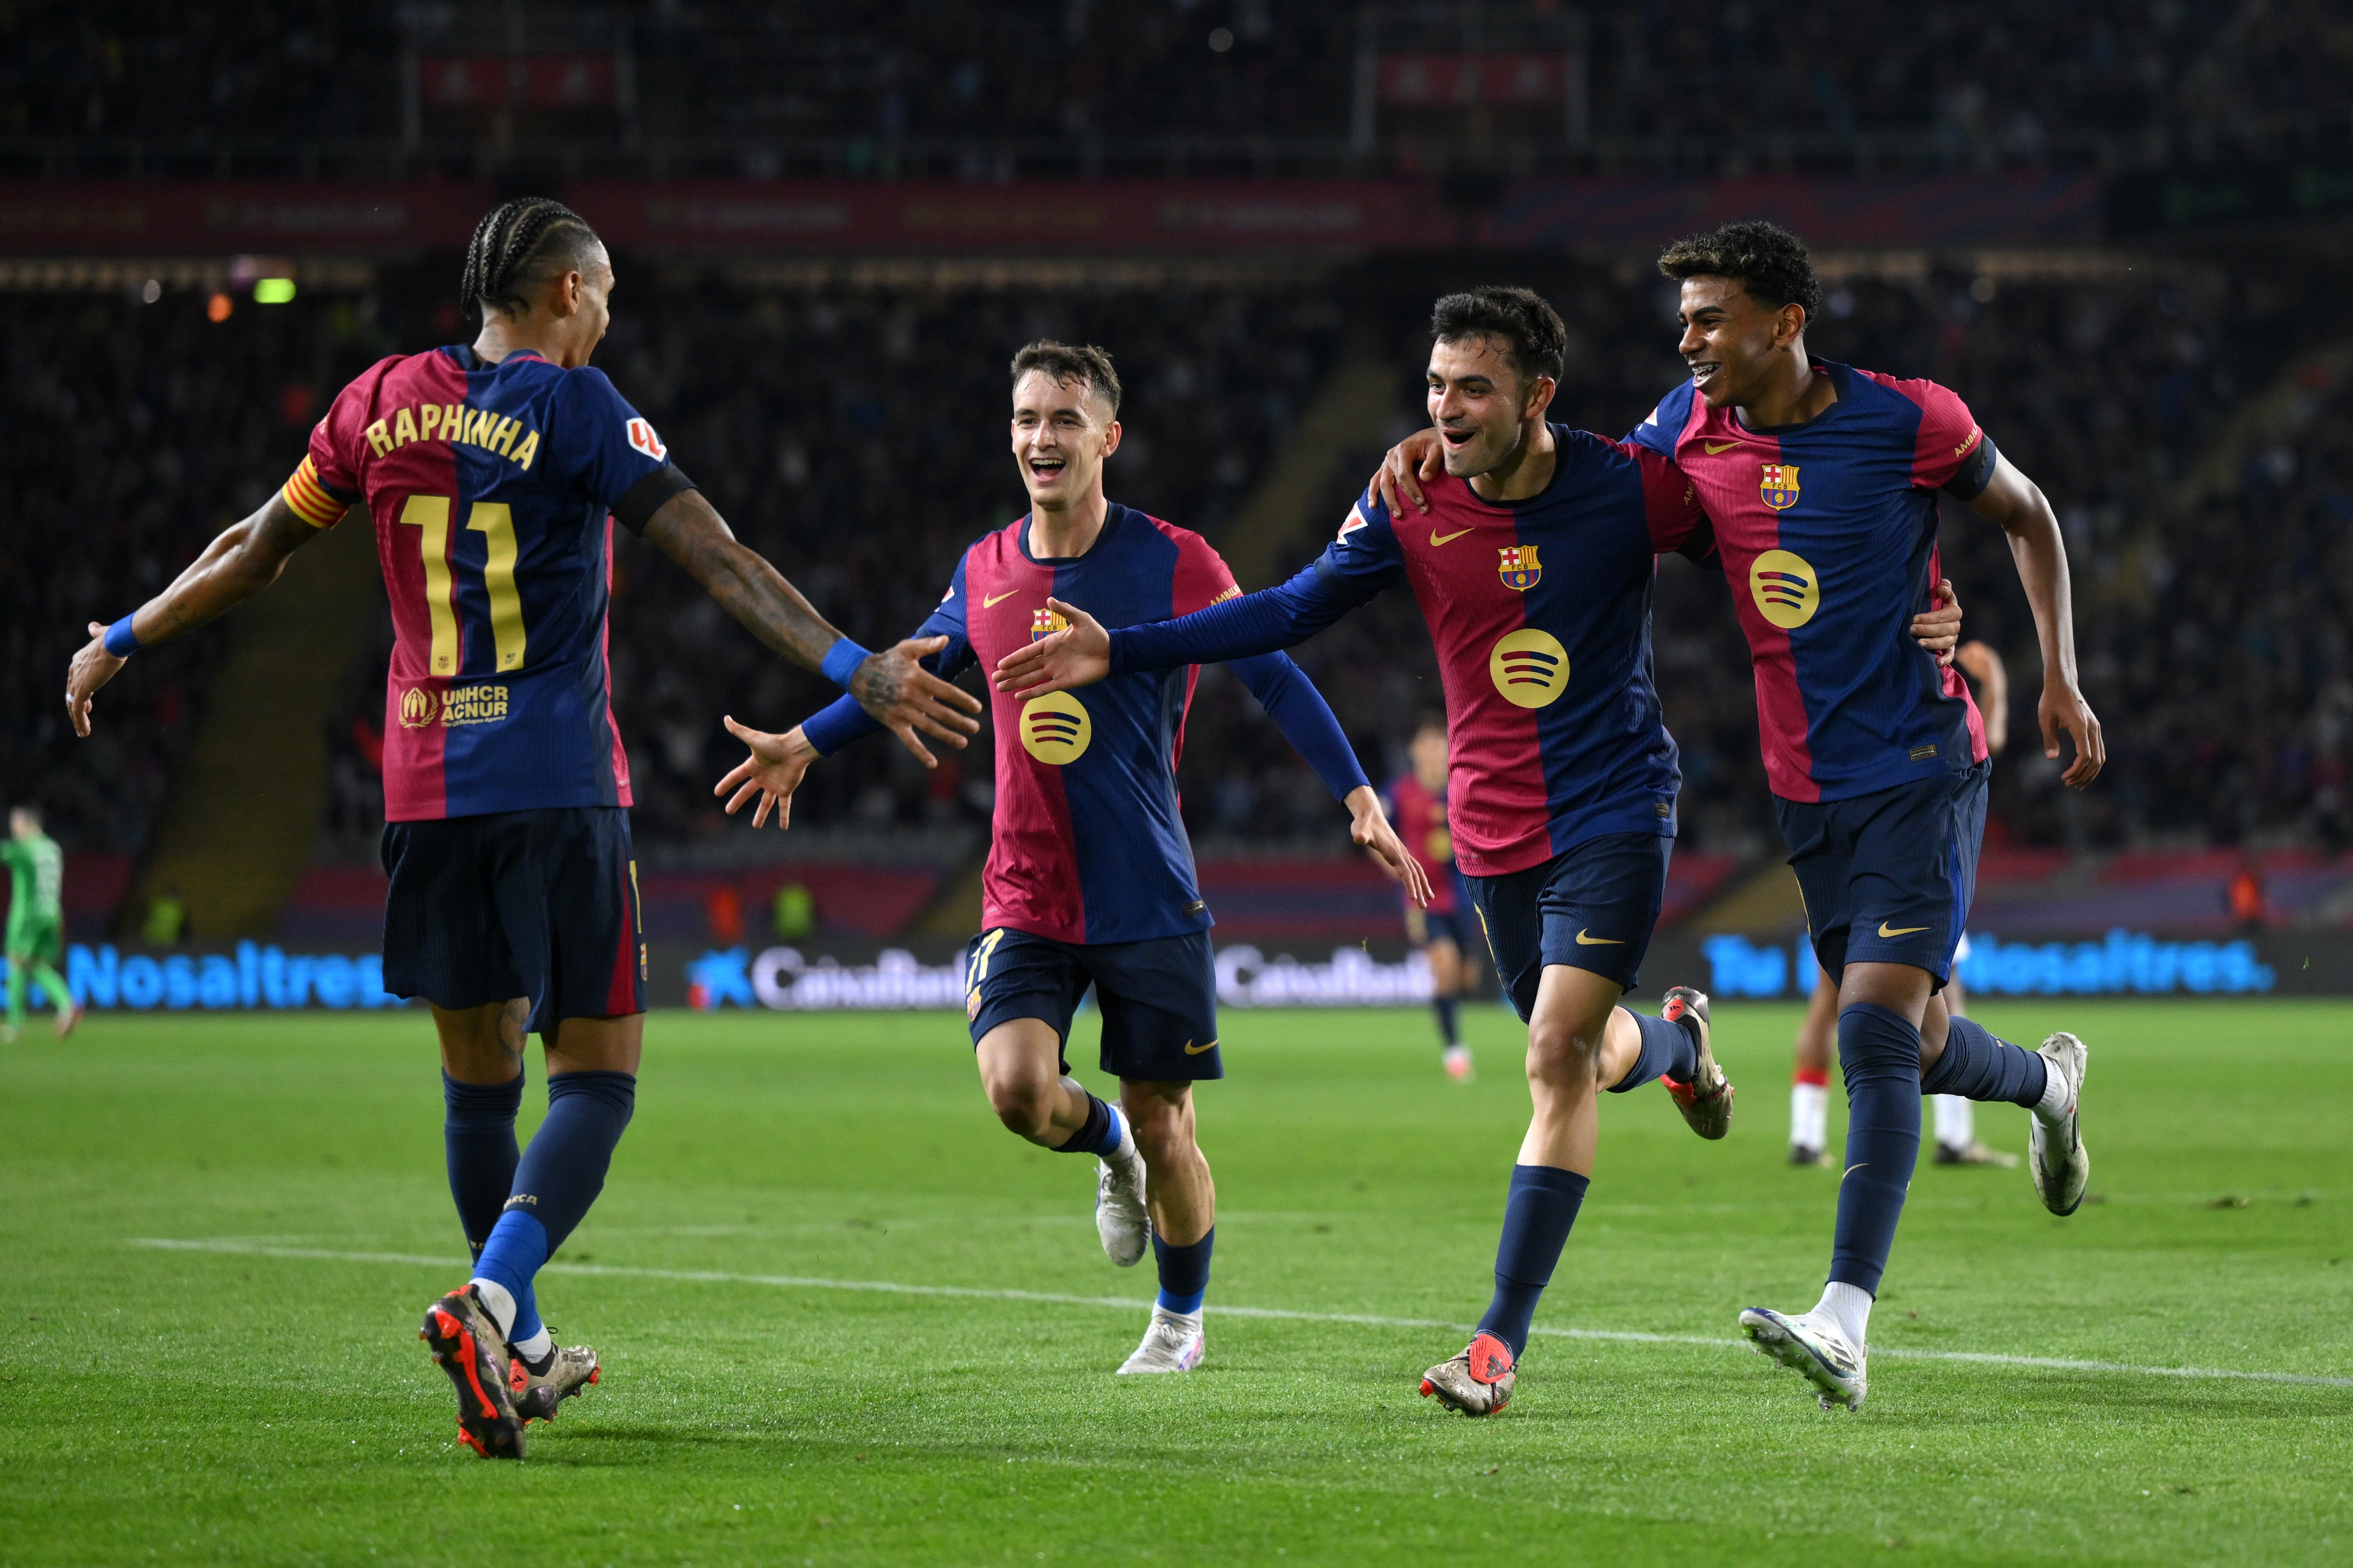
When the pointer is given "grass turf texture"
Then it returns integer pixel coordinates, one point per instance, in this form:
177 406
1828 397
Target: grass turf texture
191 1405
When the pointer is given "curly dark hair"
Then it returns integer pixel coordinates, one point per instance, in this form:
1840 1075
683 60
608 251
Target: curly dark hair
1530 329
1082 362
525 241
1763 257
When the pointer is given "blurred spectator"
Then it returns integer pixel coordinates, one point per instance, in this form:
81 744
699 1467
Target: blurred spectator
2247 908
795 913
723 912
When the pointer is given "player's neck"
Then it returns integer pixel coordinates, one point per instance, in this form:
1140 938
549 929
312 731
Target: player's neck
1792 394
1523 474
1068 532
502 335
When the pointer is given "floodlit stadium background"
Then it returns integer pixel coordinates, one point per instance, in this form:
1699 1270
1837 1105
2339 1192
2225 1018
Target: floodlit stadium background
832 228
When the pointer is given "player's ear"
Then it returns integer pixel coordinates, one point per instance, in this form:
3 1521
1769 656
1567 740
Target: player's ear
1111 439
1540 395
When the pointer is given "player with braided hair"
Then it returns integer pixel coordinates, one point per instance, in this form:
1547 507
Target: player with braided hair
492 474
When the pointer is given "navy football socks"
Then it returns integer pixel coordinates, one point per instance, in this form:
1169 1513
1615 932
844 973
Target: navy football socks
1537 1220
1669 1050
556 1180
1183 1272
478 1140
1099 1135
1447 1030
1879 1054
1976 1066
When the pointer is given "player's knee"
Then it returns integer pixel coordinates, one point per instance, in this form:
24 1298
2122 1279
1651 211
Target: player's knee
1025 1104
1561 1053
1162 1127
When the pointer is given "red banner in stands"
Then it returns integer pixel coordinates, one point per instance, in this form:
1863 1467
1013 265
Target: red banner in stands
533 81
1053 218
1418 81
1044 217
39 216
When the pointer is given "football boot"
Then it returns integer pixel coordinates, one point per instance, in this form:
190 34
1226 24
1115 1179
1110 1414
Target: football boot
1477 1381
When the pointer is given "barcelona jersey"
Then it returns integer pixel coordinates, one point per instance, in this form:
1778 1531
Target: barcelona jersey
1540 612
493 489
1828 532
1089 843
1419 818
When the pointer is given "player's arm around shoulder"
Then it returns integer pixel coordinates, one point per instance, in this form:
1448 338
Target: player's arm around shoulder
2017 504
243 560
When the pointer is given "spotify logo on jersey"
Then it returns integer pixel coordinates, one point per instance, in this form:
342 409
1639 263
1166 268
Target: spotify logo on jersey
1787 591
1529 668
1055 729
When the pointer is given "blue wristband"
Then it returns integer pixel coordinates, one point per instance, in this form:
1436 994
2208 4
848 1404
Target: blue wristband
120 641
842 662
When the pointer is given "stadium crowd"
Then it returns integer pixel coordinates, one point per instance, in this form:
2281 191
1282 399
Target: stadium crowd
2211 633
2113 82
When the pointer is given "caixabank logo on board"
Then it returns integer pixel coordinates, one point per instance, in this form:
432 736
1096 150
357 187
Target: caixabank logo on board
421 707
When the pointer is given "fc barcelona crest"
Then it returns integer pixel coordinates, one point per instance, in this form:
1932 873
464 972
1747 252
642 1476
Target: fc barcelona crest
1519 567
1045 624
1780 486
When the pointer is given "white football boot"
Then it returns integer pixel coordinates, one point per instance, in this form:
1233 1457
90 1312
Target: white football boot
1172 1342
2056 1155
1120 1217
1808 1344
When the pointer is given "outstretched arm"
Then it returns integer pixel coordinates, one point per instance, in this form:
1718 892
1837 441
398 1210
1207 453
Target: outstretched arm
2017 504
244 559
1305 719
890 685
1265 622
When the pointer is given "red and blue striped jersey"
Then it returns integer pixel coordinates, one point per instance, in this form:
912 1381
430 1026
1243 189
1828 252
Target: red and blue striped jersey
1540 613
493 489
1088 842
1419 819
1828 532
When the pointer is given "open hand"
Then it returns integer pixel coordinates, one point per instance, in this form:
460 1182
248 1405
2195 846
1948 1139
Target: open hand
1078 655
909 700
772 772
1410 464
93 668
1371 828
1938 628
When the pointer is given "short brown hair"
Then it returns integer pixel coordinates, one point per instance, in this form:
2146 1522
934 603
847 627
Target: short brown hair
1082 362
1519 319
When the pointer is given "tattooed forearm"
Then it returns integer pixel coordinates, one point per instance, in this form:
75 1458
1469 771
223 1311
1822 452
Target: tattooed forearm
689 531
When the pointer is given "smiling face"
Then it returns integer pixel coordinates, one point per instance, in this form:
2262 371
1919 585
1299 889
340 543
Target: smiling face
1484 412
1731 342
1062 431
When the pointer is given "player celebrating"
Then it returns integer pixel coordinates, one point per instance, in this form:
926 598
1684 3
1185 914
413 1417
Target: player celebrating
1442 933
1562 789
36 921
1955 1118
1090 878
492 475
1823 484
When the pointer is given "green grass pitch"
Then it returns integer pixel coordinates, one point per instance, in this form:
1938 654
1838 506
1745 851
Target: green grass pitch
266 1400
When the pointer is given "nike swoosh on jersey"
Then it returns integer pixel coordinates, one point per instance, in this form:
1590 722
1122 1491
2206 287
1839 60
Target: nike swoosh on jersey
1586 939
1436 538
1006 595
1713 448
1193 1051
1899 930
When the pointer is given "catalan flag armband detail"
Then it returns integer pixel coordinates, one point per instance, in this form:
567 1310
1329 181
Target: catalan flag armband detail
309 500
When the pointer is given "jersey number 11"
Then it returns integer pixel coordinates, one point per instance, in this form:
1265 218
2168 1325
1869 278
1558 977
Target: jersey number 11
495 521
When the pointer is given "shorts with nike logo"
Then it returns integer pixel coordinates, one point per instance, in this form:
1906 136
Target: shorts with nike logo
1589 906
1888 877
1158 997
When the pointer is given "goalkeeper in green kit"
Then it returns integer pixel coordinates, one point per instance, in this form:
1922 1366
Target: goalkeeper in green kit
36 921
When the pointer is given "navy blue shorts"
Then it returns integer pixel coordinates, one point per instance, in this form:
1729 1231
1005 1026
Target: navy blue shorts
1458 925
1159 997
541 904
1888 877
1590 907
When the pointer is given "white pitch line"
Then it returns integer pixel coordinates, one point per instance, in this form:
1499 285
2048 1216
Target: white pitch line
892 1288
